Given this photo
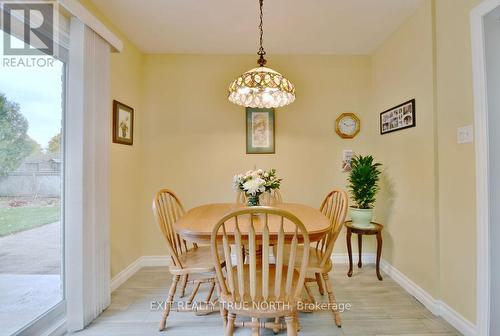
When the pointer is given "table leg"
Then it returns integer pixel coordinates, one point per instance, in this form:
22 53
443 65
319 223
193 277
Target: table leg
349 251
379 252
360 248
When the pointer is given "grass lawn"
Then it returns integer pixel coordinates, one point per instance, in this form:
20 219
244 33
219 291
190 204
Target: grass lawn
24 218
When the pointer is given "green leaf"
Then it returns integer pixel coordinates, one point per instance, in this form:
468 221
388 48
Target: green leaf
363 181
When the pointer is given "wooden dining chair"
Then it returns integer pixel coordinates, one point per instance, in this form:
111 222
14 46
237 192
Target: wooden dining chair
271 198
187 259
334 207
260 289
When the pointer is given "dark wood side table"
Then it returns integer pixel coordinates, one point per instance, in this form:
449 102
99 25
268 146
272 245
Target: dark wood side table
373 229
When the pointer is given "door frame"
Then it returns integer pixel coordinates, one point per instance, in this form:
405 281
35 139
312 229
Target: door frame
482 162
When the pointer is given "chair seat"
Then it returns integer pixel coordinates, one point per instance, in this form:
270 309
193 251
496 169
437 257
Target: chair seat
195 260
271 307
315 258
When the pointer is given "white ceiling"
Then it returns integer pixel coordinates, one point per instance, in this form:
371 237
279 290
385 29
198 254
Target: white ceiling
230 26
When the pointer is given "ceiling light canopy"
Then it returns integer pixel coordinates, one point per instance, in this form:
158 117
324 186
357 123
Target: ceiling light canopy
262 86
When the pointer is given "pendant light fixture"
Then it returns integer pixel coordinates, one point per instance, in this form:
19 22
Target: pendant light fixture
262 86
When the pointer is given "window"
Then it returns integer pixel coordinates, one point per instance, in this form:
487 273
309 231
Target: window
31 183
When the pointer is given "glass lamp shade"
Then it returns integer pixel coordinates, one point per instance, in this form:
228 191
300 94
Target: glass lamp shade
261 87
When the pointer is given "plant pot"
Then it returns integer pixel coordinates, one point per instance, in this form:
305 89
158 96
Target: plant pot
361 217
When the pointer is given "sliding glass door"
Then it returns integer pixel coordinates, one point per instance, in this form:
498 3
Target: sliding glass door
31 183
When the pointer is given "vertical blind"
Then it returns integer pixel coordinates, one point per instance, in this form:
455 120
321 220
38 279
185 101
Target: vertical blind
86 187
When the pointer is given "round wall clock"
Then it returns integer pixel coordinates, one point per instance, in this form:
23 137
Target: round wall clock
347 125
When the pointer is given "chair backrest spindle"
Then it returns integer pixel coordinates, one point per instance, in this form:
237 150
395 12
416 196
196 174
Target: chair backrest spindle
265 258
334 207
167 210
257 229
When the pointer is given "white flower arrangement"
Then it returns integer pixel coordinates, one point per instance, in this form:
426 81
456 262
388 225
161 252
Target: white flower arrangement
255 182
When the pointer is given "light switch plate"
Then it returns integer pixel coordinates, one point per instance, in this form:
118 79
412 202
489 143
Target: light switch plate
465 134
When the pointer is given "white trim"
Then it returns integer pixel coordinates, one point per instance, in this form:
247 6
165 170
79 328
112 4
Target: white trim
484 8
78 10
456 320
343 258
415 290
482 162
158 261
134 267
155 261
437 307
125 274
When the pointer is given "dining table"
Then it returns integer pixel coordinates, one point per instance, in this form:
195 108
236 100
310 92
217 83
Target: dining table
196 225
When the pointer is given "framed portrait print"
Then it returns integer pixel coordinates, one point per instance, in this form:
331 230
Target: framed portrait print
123 123
398 117
260 130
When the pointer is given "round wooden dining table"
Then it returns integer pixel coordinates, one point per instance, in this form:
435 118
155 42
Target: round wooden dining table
196 224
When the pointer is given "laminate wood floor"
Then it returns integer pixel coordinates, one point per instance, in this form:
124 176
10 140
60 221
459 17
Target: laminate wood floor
378 308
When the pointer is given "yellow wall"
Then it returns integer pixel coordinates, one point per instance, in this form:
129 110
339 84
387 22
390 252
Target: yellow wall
195 139
428 195
126 166
194 143
402 70
125 162
456 162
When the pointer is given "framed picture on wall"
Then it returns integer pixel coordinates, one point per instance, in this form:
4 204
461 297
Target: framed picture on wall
398 117
123 123
260 130
347 155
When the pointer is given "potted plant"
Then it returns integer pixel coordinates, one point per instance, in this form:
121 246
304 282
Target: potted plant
363 185
255 182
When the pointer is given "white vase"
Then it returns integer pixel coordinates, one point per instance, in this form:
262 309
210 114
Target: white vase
361 217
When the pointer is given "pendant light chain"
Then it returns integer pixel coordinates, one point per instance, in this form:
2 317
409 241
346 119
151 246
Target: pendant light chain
261 61
261 87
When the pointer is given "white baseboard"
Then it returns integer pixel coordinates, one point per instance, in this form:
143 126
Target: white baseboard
437 307
155 261
456 320
125 274
412 288
144 261
343 258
